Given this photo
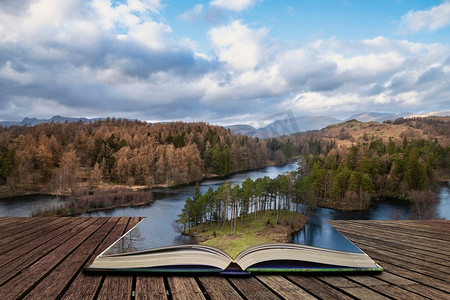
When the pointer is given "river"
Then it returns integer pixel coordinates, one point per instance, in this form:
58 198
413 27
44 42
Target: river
160 215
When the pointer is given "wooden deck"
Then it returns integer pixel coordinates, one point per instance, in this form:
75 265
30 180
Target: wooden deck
44 258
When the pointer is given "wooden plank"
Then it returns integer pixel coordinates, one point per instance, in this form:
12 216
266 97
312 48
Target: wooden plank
284 288
435 248
30 227
364 293
20 225
24 282
41 239
397 292
401 248
55 282
18 261
393 279
118 287
338 281
406 253
218 288
413 265
417 277
432 245
85 286
14 240
383 287
183 288
56 270
318 288
251 288
150 287
401 233
426 291
123 282
6 222
368 281
438 230
122 289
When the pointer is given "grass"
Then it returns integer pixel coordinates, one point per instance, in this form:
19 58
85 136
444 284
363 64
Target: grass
252 233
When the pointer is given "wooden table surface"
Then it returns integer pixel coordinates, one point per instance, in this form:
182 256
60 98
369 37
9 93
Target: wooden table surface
44 258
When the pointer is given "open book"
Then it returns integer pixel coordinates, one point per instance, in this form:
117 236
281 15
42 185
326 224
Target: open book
124 255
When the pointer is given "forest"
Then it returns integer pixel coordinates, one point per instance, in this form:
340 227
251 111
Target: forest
350 177
236 202
349 164
343 166
60 157
344 178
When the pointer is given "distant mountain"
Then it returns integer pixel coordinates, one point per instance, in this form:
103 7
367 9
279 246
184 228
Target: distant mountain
242 129
442 113
376 117
285 126
57 119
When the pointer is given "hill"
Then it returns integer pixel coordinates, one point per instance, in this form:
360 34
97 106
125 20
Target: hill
60 157
55 119
285 126
347 165
376 117
351 132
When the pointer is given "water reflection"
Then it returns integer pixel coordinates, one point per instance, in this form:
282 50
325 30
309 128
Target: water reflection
23 206
318 232
130 242
159 230
158 227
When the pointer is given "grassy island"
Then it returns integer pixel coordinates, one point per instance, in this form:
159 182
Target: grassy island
233 218
254 231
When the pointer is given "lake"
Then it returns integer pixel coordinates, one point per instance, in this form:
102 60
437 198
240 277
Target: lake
161 214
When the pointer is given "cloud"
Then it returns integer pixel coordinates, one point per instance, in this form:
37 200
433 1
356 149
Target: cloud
192 14
432 19
325 77
15 6
233 5
93 58
238 45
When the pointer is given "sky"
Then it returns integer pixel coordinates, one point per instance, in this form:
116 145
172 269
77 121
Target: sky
222 61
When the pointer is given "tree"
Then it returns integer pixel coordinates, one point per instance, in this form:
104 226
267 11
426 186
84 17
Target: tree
44 162
66 175
96 176
423 205
6 164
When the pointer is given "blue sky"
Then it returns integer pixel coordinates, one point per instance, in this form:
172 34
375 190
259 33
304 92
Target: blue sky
222 61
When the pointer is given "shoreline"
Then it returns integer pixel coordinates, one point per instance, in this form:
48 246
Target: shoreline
97 209
137 188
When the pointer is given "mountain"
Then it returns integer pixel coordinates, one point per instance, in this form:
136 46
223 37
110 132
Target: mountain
285 126
442 113
242 129
376 117
57 119
381 117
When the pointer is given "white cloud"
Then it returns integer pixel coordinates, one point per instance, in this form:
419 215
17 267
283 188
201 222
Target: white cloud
150 34
193 13
378 73
238 45
233 5
95 58
262 83
143 5
433 19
